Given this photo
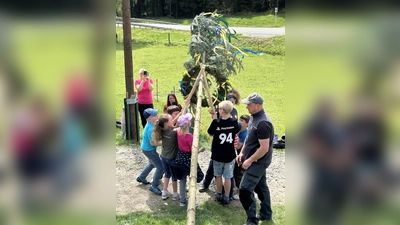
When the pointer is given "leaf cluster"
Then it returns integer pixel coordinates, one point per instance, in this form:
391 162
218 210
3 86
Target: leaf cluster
210 45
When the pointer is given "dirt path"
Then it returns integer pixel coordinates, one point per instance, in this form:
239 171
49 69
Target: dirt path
134 196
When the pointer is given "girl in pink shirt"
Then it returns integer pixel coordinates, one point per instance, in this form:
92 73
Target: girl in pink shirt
181 164
144 87
185 138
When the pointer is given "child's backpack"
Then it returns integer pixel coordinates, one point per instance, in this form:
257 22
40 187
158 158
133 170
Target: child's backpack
279 144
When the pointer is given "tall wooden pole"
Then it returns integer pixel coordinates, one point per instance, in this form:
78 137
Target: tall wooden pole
128 63
191 209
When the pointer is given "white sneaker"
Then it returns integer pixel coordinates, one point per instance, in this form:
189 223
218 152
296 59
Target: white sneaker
165 195
175 197
236 197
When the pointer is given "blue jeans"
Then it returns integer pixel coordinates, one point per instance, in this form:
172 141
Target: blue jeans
154 161
254 180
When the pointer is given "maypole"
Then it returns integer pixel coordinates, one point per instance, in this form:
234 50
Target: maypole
191 209
219 59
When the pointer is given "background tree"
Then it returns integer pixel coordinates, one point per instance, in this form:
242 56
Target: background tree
190 8
118 8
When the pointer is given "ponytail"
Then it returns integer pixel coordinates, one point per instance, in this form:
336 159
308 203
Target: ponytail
159 127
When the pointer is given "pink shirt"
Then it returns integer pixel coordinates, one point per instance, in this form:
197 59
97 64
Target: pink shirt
144 96
185 142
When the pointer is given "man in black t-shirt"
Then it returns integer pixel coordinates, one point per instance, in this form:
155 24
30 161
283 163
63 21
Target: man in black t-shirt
255 158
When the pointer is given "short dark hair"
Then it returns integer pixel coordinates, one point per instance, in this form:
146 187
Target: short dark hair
245 118
173 108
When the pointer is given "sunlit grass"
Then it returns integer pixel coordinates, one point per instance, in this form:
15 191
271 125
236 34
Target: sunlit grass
208 213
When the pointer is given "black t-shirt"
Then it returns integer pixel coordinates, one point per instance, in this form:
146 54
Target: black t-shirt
223 132
264 130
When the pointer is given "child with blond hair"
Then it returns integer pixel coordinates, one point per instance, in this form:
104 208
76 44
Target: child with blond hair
181 164
223 151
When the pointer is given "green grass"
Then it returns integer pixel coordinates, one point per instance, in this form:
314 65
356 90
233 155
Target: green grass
240 20
151 50
208 213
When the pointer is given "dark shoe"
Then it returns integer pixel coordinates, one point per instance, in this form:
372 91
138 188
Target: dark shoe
203 189
248 222
155 190
225 202
143 181
264 219
219 199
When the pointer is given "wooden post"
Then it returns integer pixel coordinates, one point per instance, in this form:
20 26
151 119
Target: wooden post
206 87
128 63
169 40
191 209
189 96
157 88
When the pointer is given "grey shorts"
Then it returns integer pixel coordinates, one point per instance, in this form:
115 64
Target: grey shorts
224 169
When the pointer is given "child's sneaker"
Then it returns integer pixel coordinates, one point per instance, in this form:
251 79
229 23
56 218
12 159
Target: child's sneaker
165 195
225 201
175 197
218 198
140 180
156 190
183 203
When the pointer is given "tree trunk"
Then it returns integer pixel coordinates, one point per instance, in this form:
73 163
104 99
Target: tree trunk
176 9
128 63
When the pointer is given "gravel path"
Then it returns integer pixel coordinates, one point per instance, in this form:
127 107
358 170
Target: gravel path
133 196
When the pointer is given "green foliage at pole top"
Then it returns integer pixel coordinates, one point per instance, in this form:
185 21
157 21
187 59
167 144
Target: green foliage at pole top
211 37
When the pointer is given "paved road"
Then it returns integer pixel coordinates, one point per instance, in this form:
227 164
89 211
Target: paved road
247 31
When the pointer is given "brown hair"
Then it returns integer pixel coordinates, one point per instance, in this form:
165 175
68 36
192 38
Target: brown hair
245 118
169 103
235 92
159 127
173 108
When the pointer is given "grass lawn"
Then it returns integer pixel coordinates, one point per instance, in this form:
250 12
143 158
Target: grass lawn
263 74
241 20
208 213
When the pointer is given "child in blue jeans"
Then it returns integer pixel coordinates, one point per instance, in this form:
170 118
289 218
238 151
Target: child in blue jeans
149 147
164 131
